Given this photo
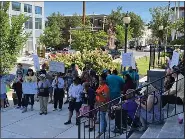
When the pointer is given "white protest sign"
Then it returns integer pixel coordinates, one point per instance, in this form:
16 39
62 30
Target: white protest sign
56 66
36 62
175 59
133 63
127 59
29 87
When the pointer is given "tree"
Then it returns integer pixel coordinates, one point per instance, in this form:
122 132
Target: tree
160 16
85 39
12 38
136 24
52 36
120 35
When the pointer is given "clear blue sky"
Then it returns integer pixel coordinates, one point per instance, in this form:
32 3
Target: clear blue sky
69 8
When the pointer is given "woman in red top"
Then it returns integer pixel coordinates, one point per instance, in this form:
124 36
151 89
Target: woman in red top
102 95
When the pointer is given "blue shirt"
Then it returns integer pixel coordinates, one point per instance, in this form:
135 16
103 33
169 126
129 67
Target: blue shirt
115 84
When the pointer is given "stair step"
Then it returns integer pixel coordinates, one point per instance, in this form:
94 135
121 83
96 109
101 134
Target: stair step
172 129
154 129
136 135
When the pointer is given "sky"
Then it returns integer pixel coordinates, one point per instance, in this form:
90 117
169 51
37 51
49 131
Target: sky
69 8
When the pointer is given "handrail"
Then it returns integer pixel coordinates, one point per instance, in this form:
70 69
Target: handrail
128 93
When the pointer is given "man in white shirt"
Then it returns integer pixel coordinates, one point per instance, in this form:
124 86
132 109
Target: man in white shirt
176 94
75 99
58 85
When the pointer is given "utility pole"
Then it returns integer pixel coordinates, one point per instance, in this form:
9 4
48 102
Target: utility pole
83 13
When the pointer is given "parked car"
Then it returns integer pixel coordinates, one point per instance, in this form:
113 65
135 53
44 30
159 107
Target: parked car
114 53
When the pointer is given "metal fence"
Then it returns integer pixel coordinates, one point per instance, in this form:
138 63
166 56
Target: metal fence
128 124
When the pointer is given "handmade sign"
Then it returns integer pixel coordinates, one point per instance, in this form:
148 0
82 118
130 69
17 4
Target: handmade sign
133 63
175 59
127 59
29 88
56 66
36 62
3 87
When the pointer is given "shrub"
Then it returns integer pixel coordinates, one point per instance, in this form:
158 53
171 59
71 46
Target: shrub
100 60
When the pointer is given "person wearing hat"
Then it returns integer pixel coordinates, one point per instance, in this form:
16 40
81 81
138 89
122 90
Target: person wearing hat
58 85
17 86
176 93
149 110
30 77
43 93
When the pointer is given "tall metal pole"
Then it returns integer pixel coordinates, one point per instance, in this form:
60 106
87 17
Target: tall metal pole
83 13
125 50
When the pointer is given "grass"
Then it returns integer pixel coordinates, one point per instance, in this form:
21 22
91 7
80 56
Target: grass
143 65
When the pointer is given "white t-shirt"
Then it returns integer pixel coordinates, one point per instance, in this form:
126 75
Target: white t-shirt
75 91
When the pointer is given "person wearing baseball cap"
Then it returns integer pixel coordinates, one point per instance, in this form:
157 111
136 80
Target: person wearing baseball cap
43 89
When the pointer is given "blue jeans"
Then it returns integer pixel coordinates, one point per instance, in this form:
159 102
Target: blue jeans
103 122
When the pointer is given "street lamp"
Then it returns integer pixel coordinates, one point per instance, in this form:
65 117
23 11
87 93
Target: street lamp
160 40
126 21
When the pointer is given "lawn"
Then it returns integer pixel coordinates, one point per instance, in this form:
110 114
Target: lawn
143 65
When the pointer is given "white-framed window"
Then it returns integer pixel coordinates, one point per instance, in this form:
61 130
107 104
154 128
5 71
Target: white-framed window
38 10
38 23
16 6
29 24
28 8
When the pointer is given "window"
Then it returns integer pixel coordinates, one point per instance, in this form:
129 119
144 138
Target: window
16 6
29 24
38 10
27 8
38 23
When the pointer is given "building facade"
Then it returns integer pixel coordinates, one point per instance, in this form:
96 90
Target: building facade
36 23
178 12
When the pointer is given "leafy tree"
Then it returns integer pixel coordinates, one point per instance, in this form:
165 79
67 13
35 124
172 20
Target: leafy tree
12 38
136 24
120 35
160 16
85 39
52 36
178 25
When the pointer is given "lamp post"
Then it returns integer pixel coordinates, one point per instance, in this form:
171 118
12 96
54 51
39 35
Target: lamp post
160 41
126 21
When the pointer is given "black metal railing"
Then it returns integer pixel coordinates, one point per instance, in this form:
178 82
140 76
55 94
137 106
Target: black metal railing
131 124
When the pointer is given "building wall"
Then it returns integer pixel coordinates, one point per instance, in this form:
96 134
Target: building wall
31 44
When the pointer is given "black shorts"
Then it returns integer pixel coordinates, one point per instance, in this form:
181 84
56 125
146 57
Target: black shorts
74 106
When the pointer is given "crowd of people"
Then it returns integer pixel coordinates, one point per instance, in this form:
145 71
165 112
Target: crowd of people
92 90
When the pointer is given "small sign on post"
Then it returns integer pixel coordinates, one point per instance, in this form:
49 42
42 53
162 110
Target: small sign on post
56 66
175 59
36 62
127 59
29 88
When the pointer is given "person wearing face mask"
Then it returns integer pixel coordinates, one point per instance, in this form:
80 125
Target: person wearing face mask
58 85
17 86
43 89
30 77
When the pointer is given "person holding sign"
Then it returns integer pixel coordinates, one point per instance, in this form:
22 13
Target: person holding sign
30 77
3 92
43 93
58 85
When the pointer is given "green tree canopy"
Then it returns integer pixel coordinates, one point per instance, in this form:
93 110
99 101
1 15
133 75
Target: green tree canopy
12 37
52 36
160 16
85 39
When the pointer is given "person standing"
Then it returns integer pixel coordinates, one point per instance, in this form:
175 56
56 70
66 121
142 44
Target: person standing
3 91
43 93
74 71
68 82
20 69
58 85
30 77
75 101
115 84
17 86
102 97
